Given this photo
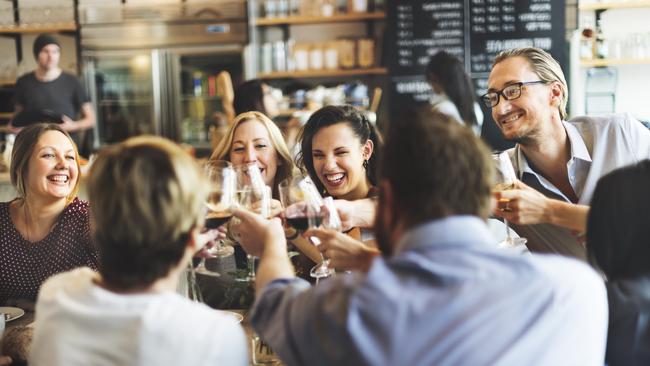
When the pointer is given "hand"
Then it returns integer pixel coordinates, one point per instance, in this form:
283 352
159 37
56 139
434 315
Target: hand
68 124
5 361
522 205
358 213
207 238
276 208
257 234
343 251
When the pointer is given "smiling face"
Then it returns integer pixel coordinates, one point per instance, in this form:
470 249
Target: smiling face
52 171
338 157
523 118
49 57
252 144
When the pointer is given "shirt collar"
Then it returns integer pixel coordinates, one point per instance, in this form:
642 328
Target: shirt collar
462 230
577 145
578 148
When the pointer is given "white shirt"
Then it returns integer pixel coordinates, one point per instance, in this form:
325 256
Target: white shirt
80 323
598 146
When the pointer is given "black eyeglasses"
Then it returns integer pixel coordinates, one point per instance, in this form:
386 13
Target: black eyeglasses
510 92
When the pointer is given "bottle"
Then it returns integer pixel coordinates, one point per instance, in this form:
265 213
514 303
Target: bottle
601 45
587 44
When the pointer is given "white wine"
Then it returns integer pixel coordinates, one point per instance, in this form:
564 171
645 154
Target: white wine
503 187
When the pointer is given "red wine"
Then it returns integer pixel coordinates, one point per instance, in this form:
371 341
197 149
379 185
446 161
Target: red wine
215 219
301 223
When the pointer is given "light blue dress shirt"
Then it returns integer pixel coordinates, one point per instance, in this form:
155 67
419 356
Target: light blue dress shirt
446 297
598 146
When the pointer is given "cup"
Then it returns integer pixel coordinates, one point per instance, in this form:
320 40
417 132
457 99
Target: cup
301 56
316 58
262 354
331 58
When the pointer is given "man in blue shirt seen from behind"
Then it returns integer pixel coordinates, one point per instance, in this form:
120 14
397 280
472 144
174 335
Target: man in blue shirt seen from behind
443 293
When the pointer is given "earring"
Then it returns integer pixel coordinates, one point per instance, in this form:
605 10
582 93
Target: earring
365 164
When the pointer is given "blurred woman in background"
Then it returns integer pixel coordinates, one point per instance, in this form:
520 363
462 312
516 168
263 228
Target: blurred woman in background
618 243
46 229
454 92
254 95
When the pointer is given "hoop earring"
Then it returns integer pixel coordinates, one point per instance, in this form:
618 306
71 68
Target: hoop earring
365 164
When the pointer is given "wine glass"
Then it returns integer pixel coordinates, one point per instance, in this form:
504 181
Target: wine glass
221 197
258 201
505 180
254 195
303 211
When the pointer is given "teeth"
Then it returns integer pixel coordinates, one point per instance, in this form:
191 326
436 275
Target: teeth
59 178
512 118
334 177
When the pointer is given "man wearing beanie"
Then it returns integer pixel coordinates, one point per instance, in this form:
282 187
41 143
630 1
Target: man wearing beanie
48 94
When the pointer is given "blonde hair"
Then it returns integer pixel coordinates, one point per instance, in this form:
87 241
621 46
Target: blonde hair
23 149
286 166
147 196
544 65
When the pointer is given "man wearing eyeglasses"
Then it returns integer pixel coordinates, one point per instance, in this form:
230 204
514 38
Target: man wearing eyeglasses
558 162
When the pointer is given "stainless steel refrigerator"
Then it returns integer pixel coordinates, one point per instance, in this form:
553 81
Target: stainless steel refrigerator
157 73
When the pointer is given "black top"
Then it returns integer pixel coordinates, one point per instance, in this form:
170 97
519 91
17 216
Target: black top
62 96
628 341
24 266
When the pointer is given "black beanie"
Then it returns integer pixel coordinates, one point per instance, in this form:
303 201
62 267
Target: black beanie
42 41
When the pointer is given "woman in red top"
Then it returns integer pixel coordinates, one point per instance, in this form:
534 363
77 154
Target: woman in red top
45 230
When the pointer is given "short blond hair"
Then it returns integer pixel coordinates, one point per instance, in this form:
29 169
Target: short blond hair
23 149
147 195
286 168
544 65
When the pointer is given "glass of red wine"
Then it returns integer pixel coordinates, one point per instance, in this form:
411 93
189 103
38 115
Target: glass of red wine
222 183
303 211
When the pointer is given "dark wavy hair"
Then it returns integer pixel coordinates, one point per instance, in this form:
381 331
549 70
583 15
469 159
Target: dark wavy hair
618 225
332 115
249 96
447 70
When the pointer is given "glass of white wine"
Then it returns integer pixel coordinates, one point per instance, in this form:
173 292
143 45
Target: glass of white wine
505 180
222 180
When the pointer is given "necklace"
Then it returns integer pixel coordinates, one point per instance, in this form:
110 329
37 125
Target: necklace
30 236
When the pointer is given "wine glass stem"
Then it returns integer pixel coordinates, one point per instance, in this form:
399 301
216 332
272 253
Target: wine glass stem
508 237
251 266
325 263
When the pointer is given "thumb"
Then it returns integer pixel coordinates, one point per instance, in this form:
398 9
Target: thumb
244 215
319 233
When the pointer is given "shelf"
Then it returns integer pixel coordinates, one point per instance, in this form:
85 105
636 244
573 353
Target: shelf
45 28
323 73
189 98
613 5
6 115
614 61
337 18
7 82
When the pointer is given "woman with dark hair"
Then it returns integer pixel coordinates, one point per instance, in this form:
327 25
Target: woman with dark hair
339 150
46 229
254 95
455 95
618 243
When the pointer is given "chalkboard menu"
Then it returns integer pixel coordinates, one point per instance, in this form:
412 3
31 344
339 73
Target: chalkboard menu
473 30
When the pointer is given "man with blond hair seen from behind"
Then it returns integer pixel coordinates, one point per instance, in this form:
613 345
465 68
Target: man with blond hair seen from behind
557 162
147 199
